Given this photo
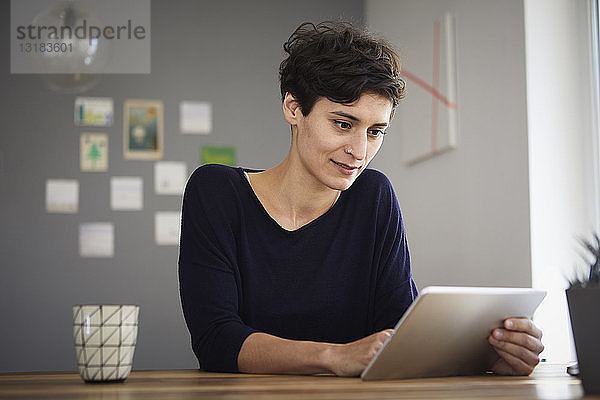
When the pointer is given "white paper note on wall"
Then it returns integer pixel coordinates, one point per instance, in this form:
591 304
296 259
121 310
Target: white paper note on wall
167 227
96 239
126 193
62 196
170 177
195 117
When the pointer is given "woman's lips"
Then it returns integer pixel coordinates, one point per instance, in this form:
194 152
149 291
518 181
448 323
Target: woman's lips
345 168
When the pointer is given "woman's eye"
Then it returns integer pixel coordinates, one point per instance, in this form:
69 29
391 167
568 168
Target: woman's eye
343 124
377 132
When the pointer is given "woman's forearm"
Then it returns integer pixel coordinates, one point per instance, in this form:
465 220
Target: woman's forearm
268 354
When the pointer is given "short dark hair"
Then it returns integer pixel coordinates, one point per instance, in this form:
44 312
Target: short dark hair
335 60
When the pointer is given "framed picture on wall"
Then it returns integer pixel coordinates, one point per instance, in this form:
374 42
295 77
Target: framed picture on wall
143 134
428 117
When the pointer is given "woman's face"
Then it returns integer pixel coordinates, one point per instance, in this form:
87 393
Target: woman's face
335 142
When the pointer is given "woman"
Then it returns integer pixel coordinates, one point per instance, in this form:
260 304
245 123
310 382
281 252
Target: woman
304 268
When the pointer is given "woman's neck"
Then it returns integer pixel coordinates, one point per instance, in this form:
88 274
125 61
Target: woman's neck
291 196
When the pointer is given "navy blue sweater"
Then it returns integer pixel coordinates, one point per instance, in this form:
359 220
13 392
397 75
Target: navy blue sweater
339 278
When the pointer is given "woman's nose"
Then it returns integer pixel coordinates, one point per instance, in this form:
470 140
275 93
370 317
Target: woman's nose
359 146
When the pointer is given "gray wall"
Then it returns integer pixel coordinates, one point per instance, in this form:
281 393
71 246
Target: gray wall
225 52
467 210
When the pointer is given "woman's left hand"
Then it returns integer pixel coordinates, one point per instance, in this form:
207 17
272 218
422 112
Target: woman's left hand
518 345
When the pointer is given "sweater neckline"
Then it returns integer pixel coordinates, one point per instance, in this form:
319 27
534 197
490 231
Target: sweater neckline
315 222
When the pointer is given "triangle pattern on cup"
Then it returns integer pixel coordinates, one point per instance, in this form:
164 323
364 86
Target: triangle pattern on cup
93 337
91 315
77 315
93 356
110 335
126 355
123 371
109 373
110 356
129 335
111 315
130 315
77 336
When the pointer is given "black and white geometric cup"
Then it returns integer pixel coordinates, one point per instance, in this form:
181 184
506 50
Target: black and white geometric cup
105 337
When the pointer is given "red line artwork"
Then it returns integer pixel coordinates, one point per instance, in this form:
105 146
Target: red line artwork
429 122
436 85
412 77
433 89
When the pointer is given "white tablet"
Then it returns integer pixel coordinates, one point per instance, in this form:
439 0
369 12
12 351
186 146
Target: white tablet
445 332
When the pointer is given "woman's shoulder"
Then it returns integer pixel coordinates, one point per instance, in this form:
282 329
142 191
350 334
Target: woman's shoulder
372 179
374 191
374 187
208 171
214 175
219 190
216 185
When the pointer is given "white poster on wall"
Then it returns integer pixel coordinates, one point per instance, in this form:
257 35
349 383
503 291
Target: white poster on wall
195 117
170 177
126 193
167 227
97 239
62 196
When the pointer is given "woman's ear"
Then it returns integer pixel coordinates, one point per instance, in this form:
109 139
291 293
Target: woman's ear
291 109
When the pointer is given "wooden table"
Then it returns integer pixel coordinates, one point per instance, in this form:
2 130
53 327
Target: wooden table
547 382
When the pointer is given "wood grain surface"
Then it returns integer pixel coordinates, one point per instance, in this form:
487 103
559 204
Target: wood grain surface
547 382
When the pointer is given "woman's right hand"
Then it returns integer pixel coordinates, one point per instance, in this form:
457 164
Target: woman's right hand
352 358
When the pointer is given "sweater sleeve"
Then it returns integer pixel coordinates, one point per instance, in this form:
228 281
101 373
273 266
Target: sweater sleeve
396 289
208 274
